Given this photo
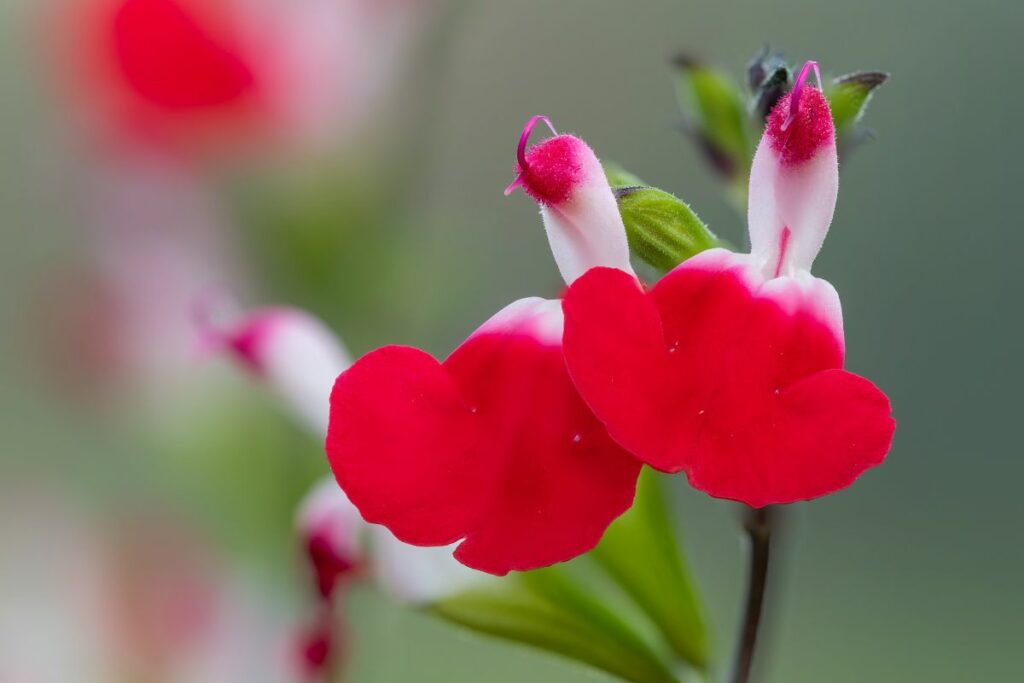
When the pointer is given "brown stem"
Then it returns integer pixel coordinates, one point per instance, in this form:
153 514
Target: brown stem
759 525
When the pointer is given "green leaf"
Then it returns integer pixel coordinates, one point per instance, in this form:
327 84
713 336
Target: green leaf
641 552
719 114
550 611
619 177
849 96
661 228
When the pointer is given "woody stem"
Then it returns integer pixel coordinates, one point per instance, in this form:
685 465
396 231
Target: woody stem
759 524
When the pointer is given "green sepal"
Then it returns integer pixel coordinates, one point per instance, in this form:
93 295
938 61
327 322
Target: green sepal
849 97
640 551
717 115
662 229
549 610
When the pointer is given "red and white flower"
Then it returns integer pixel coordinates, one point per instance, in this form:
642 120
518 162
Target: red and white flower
331 531
189 76
493 448
730 368
289 350
339 544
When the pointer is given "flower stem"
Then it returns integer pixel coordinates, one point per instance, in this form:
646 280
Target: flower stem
759 525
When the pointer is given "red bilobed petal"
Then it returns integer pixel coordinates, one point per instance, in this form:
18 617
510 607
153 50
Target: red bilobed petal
494 446
402 443
707 375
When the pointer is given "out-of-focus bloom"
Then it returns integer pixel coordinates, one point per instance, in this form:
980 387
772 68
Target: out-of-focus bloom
337 544
406 573
417 575
330 528
117 320
188 75
94 602
730 368
319 647
299 358
289 350
494 447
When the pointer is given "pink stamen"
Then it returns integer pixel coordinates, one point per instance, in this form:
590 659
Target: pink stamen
783 248
524 139
798 87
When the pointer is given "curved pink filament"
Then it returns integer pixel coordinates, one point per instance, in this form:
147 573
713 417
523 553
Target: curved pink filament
524 139
798 88
527 132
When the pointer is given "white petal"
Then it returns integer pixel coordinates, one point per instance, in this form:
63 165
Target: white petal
302 359
292 352
586 230
416 574
327 510
800 197
540 319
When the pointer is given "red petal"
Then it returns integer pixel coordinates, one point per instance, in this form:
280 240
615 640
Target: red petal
171 59
710 375
402 443
494 447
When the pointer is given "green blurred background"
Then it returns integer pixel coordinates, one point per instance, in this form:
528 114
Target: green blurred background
913 574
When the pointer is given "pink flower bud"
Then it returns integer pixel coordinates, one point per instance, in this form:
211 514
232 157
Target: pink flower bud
580 213
291 351
794 181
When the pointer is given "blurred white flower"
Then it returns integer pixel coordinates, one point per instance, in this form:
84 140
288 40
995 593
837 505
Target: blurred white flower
87 601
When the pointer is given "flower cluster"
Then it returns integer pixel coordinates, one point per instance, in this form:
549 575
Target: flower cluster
295 356
526 442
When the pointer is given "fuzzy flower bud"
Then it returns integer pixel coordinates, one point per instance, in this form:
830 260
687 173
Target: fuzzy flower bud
794 181
580 213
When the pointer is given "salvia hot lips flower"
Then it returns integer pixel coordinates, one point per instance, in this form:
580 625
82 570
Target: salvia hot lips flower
288 349
730 368
494 447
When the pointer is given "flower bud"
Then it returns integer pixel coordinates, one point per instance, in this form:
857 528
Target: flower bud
291 351
579 210
794 181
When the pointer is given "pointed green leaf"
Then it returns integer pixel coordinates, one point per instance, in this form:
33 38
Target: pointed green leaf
662 229
641 552
550 611
849 96
719 115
